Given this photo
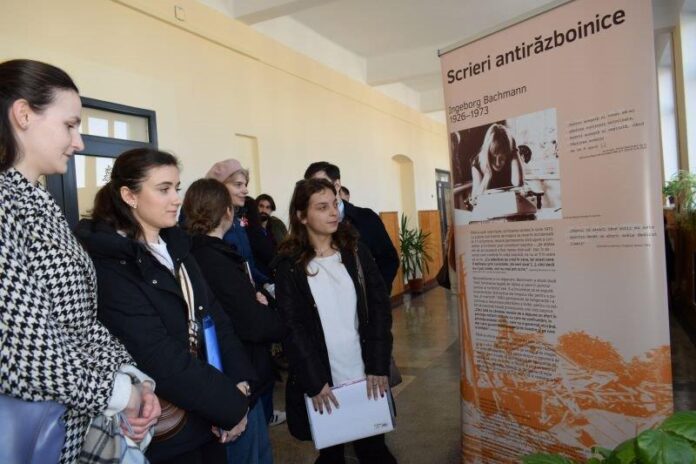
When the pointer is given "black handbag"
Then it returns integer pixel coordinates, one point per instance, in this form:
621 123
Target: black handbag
31 432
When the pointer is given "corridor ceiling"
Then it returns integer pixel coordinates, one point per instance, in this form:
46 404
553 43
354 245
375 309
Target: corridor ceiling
391 44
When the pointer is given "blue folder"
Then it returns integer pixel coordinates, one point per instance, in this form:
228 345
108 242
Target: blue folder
212 349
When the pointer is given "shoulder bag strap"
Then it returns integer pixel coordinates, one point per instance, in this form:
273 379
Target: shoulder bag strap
187 292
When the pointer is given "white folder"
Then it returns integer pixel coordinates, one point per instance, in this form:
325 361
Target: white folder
357 417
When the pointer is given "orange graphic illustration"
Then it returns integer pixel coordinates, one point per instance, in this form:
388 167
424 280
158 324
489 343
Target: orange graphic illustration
523 394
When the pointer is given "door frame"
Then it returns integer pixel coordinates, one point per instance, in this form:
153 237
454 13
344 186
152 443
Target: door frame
63 187
442 206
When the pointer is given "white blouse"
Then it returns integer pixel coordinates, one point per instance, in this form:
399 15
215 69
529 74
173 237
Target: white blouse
336 300
159 251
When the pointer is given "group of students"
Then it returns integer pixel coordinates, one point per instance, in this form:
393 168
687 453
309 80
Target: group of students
109 319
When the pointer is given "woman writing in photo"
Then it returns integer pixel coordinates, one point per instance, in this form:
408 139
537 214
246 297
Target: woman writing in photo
498 164
152 296
53 348
339 327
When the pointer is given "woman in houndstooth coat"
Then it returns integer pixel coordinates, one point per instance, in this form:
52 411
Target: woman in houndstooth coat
51 345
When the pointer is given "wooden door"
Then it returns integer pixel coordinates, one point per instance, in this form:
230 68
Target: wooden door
391 223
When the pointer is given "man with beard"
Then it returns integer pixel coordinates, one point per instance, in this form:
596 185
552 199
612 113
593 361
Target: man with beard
274 227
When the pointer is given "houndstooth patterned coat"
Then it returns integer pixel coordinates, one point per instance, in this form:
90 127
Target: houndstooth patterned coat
51 345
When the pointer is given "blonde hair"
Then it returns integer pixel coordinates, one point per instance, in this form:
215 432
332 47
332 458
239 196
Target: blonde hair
243 172
498 139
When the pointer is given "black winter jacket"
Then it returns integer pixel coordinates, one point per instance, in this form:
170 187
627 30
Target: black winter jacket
141 303
263 249
304 343
255 324
375 236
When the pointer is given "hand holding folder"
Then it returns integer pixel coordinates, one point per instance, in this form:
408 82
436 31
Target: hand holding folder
324 400
356 417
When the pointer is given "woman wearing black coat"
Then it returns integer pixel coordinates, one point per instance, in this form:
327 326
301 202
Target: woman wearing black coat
142 259
338 331
208 210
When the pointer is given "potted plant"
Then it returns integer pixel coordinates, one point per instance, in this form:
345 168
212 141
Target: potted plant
681 191
674 441
414 255
681 224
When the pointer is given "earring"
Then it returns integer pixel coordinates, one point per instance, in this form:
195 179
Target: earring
133 205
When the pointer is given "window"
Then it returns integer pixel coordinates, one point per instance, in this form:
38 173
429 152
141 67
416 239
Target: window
108 129
668 114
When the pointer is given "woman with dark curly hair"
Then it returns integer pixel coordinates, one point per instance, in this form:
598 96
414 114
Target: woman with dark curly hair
339 328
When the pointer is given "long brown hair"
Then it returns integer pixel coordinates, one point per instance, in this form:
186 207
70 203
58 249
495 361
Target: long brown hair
130 170
297 243
205 204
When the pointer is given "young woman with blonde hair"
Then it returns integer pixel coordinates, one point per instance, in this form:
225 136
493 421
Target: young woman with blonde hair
498 163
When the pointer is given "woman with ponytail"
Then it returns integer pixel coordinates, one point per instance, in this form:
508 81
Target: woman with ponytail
153 297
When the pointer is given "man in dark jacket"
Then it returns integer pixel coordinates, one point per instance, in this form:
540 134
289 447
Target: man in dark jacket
367 222
273 226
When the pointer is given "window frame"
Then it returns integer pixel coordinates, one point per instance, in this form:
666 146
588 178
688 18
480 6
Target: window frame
64 187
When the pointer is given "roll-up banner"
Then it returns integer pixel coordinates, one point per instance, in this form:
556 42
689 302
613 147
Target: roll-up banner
559 232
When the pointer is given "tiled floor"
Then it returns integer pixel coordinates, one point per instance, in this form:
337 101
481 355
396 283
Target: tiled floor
426 350
683 365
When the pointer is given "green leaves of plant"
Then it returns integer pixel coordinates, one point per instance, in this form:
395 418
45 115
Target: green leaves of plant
674 442
659 447
681 423
603 452
414 252
625 453
541 458
682 187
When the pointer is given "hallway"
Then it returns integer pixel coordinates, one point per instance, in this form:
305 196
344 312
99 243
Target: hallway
426 349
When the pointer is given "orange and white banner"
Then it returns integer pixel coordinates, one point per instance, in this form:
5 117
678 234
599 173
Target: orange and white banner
559 232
